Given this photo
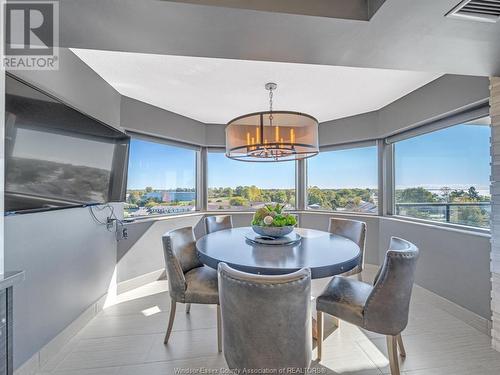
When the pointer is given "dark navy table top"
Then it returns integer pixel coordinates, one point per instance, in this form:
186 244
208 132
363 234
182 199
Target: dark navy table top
324 253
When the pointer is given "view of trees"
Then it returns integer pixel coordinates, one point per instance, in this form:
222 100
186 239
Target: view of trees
244 197
466 207
459 206
353 199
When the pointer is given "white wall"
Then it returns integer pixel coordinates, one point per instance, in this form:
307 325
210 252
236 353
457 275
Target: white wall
69 262
444 96
145 118
350 129
453 264
215 135
79 86
440 98
68 259
143 253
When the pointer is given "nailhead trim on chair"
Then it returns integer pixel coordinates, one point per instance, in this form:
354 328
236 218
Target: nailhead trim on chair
287 283
390 255
177 267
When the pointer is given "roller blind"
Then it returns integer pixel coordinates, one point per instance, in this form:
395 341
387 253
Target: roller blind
346 146
165 141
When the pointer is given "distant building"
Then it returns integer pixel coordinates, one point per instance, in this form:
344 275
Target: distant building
170 196
164 210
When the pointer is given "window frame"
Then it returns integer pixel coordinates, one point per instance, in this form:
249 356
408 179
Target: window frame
221 150
340 147
389 162
173 143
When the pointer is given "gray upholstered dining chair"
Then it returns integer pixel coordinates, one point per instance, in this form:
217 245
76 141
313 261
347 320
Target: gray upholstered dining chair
189 281
266 320
218 222
382 308
355 231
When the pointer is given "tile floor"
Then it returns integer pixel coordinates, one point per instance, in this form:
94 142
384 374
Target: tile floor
127 339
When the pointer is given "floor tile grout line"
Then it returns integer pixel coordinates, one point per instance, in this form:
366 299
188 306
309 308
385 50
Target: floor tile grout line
369 358
150 333
72 343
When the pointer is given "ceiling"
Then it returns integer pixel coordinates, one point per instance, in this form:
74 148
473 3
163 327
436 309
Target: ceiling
361 10
403 34
217 90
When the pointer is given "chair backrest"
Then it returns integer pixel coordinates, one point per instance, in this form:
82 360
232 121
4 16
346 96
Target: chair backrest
219 222
355 231
266 320
386 309
180 257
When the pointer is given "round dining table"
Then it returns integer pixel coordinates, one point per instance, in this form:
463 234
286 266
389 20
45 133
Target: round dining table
325 254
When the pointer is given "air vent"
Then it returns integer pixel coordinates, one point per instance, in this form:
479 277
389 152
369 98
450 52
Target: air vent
477 10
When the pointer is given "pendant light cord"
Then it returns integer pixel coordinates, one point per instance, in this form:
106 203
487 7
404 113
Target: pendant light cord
271 106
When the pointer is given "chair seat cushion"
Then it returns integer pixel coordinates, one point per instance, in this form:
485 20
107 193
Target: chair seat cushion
345 299
202 286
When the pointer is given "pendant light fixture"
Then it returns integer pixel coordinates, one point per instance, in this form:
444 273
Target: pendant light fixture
272 136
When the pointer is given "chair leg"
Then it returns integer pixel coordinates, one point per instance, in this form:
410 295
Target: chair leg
402 351
319 334
188 308
170 320
219 330
392 350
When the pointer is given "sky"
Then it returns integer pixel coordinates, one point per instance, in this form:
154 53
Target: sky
344 169
223 172
160 166
456 157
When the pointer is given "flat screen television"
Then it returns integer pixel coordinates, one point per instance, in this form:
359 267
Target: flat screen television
56 156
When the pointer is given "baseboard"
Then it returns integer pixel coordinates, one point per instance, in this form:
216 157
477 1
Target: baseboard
478 322
139 281
30 367
41 359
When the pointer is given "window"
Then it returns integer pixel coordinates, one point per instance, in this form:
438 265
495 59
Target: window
343 180
236 185
161 179
444 175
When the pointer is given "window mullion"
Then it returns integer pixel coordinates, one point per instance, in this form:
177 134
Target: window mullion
201 180
386 178
301 185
